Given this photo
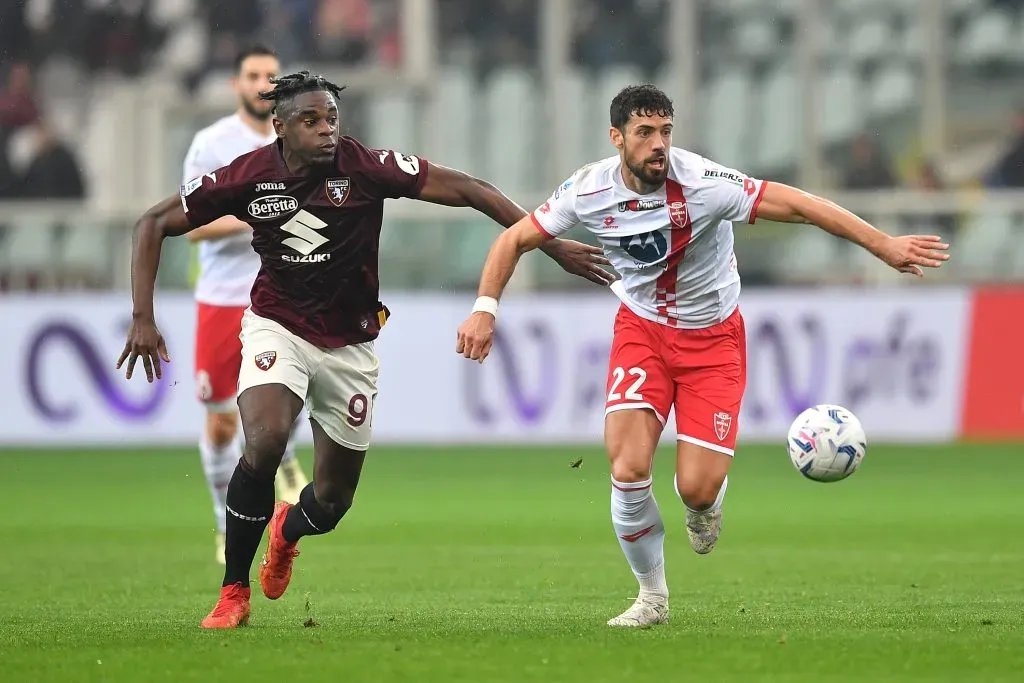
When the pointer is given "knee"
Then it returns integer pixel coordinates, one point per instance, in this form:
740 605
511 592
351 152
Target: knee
630 438
221 429
265 446
630 470
699 493
334 499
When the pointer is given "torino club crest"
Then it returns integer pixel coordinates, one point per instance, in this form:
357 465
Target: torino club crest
337 190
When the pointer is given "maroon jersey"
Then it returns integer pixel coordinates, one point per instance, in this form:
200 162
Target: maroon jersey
317 235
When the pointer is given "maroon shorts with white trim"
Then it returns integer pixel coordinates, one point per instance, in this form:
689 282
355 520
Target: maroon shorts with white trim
702 373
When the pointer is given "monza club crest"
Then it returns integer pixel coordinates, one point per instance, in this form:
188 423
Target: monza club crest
265 360
337 190
723 423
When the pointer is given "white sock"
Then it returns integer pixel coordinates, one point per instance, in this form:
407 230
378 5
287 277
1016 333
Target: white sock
635 516
289 452
718 499
218 466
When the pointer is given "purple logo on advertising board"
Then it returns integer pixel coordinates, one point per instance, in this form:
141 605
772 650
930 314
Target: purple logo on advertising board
500 389
529 406
885 366
99 368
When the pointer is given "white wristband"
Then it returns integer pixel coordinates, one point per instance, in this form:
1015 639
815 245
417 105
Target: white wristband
486 304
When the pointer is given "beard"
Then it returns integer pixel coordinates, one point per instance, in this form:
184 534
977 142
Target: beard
647 175
258 114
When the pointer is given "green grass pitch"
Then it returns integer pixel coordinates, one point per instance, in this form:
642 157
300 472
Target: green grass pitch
500 565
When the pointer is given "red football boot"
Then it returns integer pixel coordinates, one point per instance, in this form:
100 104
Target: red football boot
232 610
276 566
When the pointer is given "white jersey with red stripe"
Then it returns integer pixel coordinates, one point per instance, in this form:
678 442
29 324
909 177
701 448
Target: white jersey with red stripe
228 265
673 248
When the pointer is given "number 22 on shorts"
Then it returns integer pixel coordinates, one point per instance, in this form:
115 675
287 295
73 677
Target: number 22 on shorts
633 392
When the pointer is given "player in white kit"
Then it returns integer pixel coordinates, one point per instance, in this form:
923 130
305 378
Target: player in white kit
664 218
227 268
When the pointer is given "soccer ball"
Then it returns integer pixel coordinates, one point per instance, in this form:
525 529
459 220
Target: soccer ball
826 443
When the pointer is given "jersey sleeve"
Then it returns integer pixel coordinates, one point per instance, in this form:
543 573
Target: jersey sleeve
204 200
731 195
397 174
555 216
199 159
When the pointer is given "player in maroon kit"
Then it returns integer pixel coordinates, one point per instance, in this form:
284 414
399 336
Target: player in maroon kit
315 202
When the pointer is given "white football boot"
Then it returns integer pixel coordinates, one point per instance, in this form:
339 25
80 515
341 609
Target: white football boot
703 527
647 610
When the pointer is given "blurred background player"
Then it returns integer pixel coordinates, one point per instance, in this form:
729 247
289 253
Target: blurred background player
227 268
664 217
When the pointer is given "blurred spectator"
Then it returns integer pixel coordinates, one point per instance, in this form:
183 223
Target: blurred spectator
233 24
1009 172
17 109
388 33
867 169
507 33
122 36
17 99
53 172
342 31
609 32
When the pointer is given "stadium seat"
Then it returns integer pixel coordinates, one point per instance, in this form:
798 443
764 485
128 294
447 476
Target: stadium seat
31 251
455 103
893 90
512 107
575 141
85 254
606 85
726 124
806 255
914 41
987 37
871 39
756 39
172 11
840 107
982 246
391 122
780 122
185 49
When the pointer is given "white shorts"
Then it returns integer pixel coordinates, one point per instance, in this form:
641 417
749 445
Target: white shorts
339 386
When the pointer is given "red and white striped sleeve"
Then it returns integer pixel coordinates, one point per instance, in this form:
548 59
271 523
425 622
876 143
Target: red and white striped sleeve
731 195
555 216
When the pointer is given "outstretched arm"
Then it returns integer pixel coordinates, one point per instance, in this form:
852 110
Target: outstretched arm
454 188
477 333
907 253
224 226
166 219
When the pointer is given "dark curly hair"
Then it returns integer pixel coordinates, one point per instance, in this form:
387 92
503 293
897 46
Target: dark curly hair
286 88
644 100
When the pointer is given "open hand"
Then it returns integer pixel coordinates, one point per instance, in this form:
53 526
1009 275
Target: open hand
911 253
580 259
145 341
476 336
